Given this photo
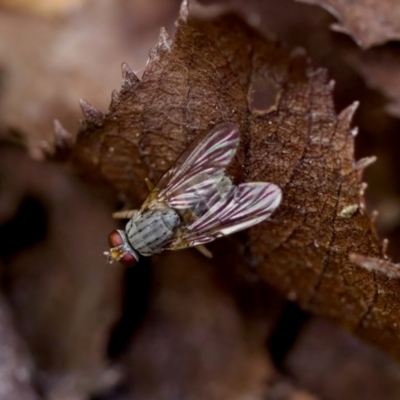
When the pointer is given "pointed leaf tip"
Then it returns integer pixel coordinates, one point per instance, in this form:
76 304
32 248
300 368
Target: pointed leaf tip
63 138
385 267
354 131
348 113
331 85
365 162
164 40
91 113
184 11
129 78
114 99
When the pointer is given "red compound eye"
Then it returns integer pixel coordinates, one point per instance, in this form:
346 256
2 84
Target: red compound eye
115 239
128 260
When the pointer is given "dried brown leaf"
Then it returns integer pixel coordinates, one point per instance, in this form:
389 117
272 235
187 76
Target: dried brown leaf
368 22
204 76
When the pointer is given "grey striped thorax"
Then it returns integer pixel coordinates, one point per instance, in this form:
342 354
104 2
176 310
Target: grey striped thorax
150 231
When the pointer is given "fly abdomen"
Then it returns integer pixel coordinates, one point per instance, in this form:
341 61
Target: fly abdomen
217 191
151 231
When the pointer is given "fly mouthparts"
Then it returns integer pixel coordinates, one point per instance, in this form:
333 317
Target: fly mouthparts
122 253
109 257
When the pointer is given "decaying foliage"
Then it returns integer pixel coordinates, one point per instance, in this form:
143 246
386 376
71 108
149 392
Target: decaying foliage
369 22
190 327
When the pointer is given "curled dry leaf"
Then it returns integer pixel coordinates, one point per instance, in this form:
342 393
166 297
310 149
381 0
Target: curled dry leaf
207 75
64 298
380 69
368 22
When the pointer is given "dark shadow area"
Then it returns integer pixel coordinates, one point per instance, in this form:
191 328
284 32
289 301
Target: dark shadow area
136 295
119 392
286 333
28 227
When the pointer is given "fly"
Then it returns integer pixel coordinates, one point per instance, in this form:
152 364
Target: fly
194 202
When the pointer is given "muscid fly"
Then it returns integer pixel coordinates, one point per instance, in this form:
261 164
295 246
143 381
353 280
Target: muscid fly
194 202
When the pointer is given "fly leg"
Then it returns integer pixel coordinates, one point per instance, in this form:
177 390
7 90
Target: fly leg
203 250
125 214
149 184
128 214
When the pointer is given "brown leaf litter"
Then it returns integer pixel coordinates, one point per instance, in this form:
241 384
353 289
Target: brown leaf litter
64 298
202 329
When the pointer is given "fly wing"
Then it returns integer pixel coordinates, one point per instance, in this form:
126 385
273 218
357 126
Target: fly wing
245 205
199 168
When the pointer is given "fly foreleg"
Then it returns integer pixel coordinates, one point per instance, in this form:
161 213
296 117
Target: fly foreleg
125 214
149 184
203 250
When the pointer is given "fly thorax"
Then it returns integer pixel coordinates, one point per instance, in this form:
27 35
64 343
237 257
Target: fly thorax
150 232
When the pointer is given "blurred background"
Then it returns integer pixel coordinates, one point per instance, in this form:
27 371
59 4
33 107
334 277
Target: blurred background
73 327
